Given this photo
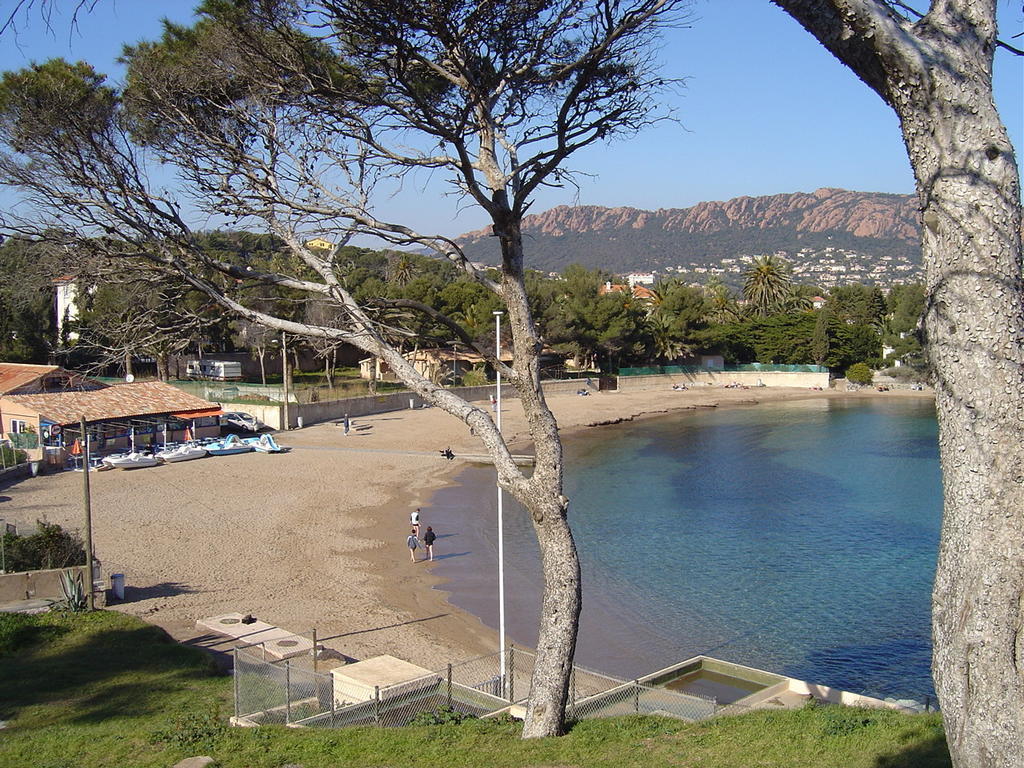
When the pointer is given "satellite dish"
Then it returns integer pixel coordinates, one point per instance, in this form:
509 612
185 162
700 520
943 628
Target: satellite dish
129 378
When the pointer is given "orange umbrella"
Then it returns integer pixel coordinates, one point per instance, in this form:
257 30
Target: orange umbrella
76 448
188 434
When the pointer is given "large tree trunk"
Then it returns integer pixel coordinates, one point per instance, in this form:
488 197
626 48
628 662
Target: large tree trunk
969 192
559 619
548 507
162 368
936 73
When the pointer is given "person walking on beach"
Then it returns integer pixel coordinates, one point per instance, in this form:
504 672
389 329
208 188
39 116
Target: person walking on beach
428 542
414 518
412 542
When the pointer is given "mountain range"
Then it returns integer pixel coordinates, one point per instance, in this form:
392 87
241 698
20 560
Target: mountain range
830 236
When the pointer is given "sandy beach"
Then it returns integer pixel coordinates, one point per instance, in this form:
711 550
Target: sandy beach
315 538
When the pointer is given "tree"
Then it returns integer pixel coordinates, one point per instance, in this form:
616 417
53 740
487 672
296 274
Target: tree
601 329
26 301
256 339
126 316
859 373
935 72
767 284
292 114
722 305
857 303
819 341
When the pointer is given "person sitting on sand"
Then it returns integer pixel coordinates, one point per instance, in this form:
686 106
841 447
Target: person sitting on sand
412 542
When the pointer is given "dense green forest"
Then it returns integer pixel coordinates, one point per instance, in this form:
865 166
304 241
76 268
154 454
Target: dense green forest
124 316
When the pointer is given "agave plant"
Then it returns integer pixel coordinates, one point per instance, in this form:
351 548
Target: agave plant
73 586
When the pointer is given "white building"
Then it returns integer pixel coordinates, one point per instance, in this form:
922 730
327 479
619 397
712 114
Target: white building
66 300
640 278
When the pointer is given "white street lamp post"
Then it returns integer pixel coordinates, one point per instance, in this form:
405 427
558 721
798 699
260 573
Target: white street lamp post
501 526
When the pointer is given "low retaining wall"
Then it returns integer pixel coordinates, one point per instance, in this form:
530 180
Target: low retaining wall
15 473
334 410
722 378
40 585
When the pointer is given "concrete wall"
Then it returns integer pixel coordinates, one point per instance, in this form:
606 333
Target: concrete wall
334 410
36 585
14 474
722 378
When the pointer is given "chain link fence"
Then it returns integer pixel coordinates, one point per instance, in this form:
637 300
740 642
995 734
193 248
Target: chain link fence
294 692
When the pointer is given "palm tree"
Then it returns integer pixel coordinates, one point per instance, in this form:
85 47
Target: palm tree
722 304
402 269
766 285
800 299
665 343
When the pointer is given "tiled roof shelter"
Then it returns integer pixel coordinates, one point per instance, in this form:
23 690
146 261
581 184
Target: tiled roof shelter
120 401
43 422
25 378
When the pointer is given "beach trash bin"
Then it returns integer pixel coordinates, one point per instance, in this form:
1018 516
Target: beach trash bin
117 585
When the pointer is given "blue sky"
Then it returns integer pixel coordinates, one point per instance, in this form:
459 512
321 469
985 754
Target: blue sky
765 110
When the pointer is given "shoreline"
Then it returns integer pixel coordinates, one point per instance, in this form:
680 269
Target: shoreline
315 537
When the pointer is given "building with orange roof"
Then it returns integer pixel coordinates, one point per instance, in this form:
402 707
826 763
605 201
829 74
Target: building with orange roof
44 422
638 291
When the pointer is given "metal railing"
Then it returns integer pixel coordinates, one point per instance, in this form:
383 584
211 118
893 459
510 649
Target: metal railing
292 692
11 456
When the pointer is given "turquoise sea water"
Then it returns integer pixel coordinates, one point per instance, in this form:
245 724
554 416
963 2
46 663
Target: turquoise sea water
800 538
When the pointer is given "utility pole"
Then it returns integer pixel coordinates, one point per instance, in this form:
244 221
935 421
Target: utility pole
87 499
501 521
284 378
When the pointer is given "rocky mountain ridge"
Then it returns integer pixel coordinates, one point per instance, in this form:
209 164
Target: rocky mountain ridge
873 233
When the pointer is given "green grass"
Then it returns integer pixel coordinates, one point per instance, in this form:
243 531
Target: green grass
104 689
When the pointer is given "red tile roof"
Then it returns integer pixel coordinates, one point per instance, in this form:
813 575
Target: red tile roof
15 375
144 398
638 291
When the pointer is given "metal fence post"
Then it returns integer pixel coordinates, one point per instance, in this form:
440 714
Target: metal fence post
334 709
376 704
572 688
314 650
287 691
636 696
511 672
449 686
234 674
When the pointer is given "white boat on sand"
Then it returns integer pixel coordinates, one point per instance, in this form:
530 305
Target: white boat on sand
181 453
131 461
265 443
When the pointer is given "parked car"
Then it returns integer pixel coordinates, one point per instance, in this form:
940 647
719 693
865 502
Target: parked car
240 420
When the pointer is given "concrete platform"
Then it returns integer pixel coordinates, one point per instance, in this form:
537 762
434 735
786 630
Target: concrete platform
277 643
356 682
36 605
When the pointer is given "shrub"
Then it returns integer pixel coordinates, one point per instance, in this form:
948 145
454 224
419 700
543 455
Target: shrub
441 716
476 377
9 456
49 547
859 373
